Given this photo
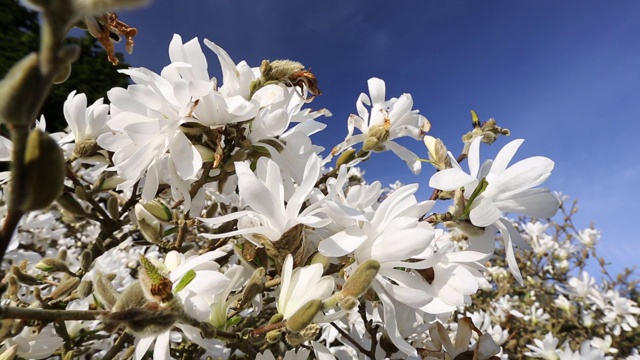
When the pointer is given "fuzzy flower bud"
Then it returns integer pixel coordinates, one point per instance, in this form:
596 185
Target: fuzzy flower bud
159 210
361 279
44 171
52 265
304 316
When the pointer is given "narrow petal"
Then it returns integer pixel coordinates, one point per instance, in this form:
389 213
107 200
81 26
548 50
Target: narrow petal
184 155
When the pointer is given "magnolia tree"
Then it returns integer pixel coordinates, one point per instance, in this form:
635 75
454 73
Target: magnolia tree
194 217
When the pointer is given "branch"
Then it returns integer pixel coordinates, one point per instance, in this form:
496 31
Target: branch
12 312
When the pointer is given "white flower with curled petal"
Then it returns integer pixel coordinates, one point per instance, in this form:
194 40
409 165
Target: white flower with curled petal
272 210
493 188
387 120
86 123
301 285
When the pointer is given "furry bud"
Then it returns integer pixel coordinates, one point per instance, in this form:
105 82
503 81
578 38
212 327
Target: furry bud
304 316
44 171
361 279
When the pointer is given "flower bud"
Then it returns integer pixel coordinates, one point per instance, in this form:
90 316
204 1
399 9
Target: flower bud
370 144
360 279
438 154
86 259
70 204
159 210
24 278
44 171
113 207
65 288
273 336
52 265
104 292
346 157
63 74
255 285
304 316
133 296
84 289
18 101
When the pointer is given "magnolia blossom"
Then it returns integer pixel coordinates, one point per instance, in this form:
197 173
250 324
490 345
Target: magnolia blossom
386 121
33 343
206 282
272 211
301 285
497 188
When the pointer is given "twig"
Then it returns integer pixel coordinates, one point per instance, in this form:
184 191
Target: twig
12 312
351 340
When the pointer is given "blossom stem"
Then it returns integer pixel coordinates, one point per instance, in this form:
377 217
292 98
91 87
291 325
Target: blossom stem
351 340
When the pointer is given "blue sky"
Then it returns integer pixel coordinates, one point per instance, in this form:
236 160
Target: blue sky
564 75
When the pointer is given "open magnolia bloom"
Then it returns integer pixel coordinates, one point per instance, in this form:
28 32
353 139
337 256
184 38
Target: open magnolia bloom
386 121
493 188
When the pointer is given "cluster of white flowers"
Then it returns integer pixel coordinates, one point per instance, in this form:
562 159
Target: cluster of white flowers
201 219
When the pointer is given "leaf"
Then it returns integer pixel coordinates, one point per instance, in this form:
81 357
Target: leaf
186 279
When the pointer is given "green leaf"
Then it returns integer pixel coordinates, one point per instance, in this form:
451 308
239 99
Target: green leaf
186 279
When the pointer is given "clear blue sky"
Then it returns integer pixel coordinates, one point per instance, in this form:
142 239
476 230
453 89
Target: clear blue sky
564 75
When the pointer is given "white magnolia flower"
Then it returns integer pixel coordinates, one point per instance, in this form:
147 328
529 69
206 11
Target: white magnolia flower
271 211
206 282
34 344
497 188
86 123
301 285
589 237
620 312
386 121
544 349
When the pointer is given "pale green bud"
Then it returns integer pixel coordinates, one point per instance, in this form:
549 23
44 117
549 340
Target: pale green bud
276 318
70 204
273 336
370 144
255 285
52 265
63 74
84 289
24 278
44 171
304 316
159 210
438 154
86 259
19 103
65 288
360 279
113 207
346 157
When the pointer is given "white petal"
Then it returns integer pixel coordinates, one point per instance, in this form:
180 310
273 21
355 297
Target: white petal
343 242
505 155
484 212
410 158
184 155
376 90
450 179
